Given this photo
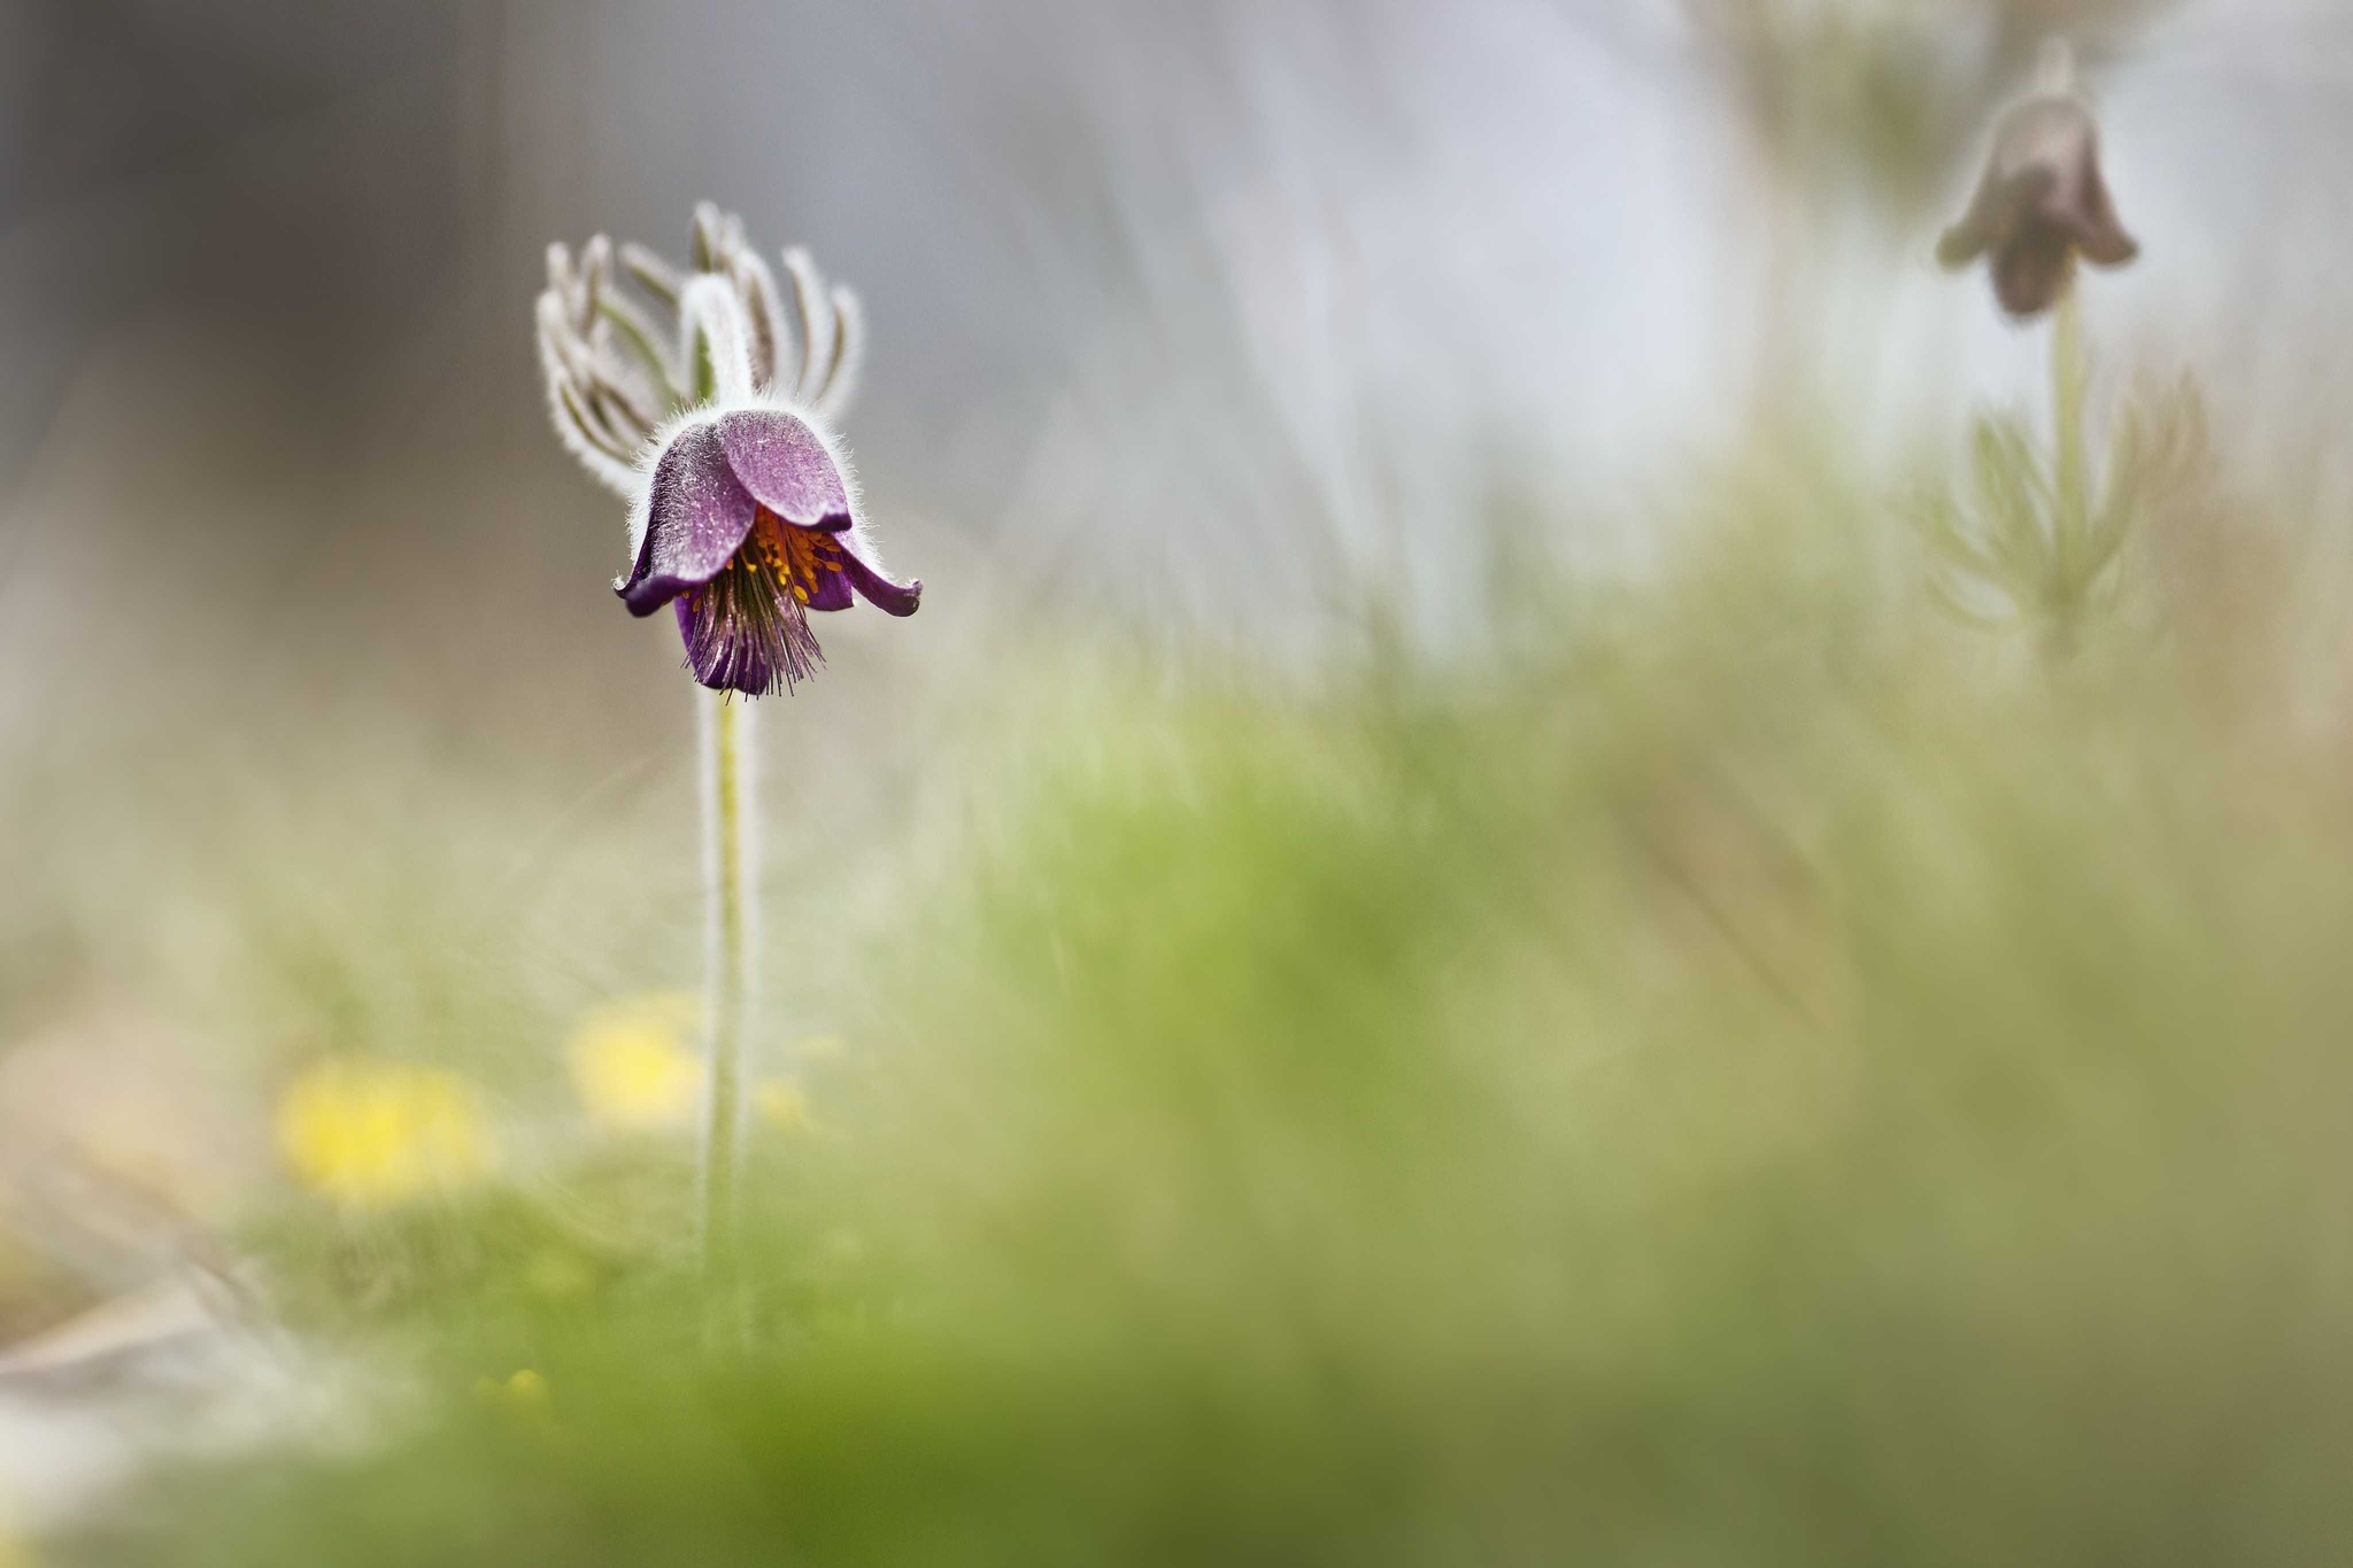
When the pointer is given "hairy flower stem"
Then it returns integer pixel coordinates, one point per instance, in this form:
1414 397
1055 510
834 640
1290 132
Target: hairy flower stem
2071 502
730 918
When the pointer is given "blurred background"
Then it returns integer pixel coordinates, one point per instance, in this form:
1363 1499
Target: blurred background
1356 398
1366 255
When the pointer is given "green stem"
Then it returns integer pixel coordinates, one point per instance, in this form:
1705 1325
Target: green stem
2070 522
729 912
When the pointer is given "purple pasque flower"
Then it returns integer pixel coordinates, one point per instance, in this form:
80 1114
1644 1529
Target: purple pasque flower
747 525
714 424
2042 201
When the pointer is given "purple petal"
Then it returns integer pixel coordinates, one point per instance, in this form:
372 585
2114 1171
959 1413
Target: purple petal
2092 219
880 591
779 460
828 589
823 570
2004 201
2032 270
697 519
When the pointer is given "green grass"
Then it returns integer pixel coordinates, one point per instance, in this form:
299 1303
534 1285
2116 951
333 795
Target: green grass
1754 1074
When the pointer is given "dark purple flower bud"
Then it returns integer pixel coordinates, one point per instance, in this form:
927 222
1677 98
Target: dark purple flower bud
2042 204
746 527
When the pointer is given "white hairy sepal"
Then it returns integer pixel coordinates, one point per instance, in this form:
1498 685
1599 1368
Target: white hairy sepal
857 537
654 365
709 240
773 345
582 283
833 398
612 416
817 324
563 282
596 267
654 273
570 407
712 321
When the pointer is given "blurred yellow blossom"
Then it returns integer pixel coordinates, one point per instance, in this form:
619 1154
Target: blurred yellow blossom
632 1062
371 1133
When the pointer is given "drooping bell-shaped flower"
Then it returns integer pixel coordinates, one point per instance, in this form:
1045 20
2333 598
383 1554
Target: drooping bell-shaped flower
743 515
747 527
2042 201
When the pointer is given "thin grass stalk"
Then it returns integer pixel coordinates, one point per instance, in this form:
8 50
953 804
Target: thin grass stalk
2071 521
730 918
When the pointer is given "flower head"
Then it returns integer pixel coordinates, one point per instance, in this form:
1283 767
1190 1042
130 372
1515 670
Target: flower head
743 516
633 1066
747 525
2042 201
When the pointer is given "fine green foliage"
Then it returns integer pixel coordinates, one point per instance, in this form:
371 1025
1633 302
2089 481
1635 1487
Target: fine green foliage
2030 543
1740 1079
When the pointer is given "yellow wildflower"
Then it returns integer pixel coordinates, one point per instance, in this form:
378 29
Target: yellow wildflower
373 1133
633 1066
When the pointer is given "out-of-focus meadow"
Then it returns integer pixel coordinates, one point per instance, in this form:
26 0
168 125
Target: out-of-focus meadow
1497 911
